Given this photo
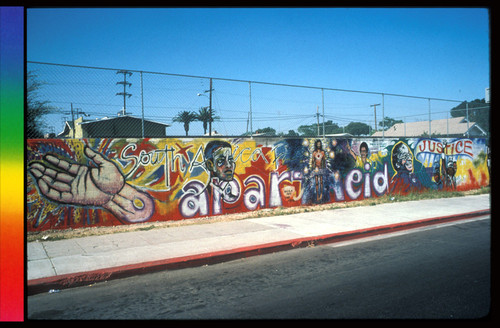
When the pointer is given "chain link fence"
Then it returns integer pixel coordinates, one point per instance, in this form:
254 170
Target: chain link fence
75 96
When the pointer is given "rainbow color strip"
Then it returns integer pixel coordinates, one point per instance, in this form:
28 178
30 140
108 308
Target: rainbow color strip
12 241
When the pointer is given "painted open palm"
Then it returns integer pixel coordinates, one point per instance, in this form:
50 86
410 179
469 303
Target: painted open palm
102 185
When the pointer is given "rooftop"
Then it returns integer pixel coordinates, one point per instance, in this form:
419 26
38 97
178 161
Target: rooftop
455 126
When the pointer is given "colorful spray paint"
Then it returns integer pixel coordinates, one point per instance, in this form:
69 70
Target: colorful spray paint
75 183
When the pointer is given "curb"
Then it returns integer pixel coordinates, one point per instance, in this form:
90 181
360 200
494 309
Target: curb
41 285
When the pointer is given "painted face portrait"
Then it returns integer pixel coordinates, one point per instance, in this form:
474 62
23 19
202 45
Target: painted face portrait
452 168
363 151
219 160
223 164
402 158
436 174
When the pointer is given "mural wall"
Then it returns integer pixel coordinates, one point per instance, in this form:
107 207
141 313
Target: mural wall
74 183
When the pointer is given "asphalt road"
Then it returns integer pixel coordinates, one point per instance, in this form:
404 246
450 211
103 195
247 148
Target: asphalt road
437 273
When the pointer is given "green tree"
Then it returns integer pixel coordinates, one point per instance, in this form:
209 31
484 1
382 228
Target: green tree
388 122
204 115
478 112
291 133
35 108
308 130
268 131
312 129
357 128
186 118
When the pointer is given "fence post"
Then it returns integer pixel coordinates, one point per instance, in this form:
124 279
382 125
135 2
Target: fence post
73 120
142 106
430 131
447 125
404 121
467 115
383 118
250 97
323 105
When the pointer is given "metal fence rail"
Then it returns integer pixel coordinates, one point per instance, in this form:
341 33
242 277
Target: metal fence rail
79 94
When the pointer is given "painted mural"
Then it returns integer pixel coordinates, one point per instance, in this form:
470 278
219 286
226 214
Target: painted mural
74 183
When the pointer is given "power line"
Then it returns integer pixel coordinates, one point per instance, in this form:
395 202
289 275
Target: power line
259 82
233 110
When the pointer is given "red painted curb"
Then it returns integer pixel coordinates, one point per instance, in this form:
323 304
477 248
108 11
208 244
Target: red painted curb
41 285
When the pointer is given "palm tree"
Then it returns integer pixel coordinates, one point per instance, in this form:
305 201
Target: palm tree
206 117
185 117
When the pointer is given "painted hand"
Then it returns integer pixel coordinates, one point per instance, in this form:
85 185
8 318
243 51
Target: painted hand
79 184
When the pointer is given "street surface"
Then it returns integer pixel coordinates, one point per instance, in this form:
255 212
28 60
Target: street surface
439 272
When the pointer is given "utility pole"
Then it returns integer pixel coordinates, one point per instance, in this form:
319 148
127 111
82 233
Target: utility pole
125 94
375 112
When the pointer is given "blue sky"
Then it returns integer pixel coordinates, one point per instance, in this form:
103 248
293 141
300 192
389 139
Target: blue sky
427 52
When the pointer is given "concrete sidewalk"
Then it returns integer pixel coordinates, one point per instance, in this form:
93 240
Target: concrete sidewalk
81 261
